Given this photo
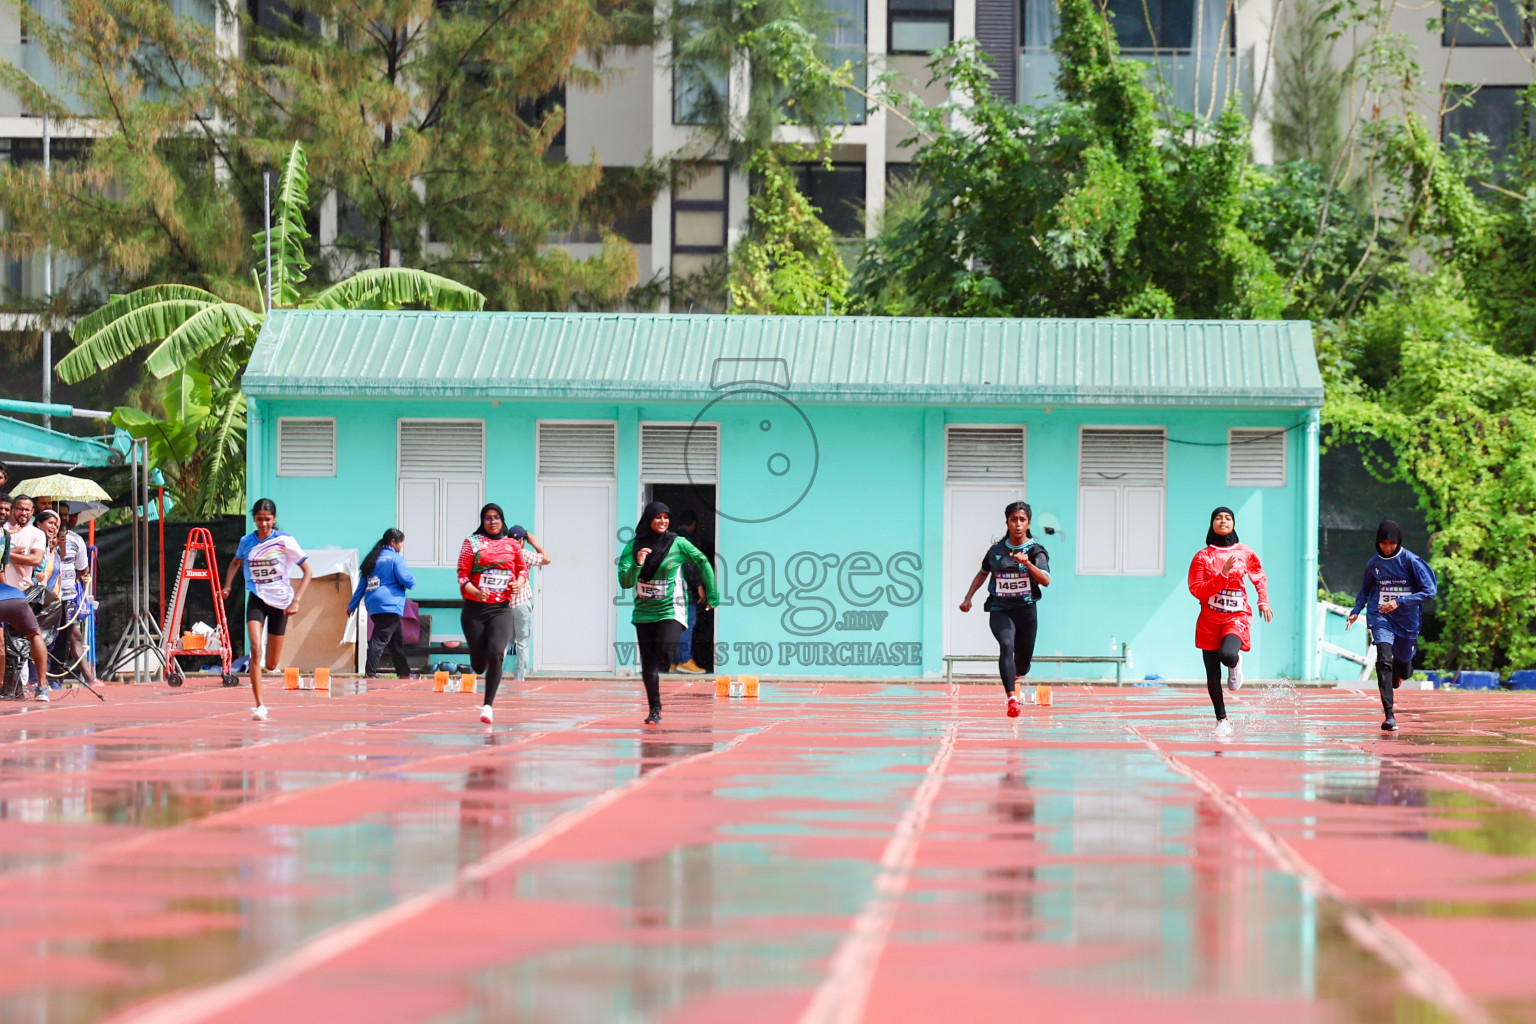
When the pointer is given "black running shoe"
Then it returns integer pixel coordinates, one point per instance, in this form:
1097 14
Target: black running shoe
654 717
1390 725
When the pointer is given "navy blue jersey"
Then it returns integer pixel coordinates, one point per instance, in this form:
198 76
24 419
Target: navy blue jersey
1010 584
1405 578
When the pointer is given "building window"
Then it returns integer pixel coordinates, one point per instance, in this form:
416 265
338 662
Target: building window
1121 499
440 487
1153 24
701 91
306 446
533 113
837 192
984 455
1496 112
921 26
848 42
679 453
1256 458
699 213
582 451
1485 23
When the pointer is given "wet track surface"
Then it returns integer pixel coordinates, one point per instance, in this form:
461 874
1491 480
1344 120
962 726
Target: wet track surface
829 853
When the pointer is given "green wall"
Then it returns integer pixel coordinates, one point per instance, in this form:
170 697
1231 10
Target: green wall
870 528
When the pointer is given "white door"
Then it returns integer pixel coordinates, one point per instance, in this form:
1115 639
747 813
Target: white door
574 612
973 522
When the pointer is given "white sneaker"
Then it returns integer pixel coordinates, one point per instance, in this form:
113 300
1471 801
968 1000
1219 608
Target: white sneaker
1223 730
259 713
487 714
1235 675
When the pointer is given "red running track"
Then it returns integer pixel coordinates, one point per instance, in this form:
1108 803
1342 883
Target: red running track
831 853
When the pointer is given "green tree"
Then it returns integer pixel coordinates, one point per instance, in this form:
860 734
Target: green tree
199 345
433 123
1309 86
1109 211
137 192
788 264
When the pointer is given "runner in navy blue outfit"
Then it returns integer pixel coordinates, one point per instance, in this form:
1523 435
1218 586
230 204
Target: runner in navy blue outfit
1397 583
1014 569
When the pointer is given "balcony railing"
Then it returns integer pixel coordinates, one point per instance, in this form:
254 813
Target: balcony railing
1194 82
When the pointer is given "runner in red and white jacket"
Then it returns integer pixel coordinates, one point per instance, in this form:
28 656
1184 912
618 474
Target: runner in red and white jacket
490 563
1222 632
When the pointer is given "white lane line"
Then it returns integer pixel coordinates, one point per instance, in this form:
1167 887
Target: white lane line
1422 975
201 1004
842 996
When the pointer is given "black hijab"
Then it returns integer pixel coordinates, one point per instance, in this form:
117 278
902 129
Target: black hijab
659 543
1388 530
1215 539
491 506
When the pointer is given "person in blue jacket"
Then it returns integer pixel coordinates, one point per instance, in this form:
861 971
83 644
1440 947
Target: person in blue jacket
382 582
1397 583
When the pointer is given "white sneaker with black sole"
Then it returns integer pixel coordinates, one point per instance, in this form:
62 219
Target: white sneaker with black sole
1235 675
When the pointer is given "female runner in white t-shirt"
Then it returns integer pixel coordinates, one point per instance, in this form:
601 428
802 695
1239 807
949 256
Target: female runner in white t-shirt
268 555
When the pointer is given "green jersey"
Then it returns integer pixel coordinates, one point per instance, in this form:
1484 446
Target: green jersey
666 596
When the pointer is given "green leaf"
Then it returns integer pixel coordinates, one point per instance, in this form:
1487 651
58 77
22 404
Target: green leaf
125 335
394 287
288 232
207 327
188 398
118 305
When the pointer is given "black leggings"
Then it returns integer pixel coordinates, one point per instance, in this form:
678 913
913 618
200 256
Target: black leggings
1015 630
1231 648
487 632
657 643
386 637
1389 672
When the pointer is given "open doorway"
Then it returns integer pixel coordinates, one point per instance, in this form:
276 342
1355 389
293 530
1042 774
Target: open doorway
696 502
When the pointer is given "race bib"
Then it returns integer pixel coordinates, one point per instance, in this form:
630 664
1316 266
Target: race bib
1013 585
651 590
373 584
495 581
1228 601
1394 591
266 570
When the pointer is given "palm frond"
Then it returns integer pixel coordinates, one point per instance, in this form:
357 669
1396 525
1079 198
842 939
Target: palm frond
394 287
288 232
123 335
205 328
97 351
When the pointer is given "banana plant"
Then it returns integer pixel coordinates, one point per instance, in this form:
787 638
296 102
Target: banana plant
199 343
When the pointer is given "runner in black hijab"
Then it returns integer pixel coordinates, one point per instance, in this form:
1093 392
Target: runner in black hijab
501 531
659 543
1217 539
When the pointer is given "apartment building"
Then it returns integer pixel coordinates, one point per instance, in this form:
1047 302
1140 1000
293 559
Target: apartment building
1202 50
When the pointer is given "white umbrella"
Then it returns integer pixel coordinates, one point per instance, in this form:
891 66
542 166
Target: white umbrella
62 487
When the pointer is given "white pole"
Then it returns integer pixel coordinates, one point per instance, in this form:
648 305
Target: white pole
266 184
47 285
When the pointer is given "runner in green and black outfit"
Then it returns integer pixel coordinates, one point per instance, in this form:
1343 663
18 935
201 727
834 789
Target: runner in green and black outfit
1014 569
652 563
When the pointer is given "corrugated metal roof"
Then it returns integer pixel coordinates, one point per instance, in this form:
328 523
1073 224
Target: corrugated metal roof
849 359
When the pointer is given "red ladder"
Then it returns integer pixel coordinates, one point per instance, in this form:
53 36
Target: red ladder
199 542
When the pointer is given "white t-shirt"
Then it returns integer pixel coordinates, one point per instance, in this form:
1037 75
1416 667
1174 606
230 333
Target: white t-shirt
74 562
267 564
27 537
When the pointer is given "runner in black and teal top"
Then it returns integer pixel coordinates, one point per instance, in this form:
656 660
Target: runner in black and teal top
652 564
1014 569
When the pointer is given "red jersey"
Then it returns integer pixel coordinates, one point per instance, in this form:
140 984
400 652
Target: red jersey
1224 608
492 564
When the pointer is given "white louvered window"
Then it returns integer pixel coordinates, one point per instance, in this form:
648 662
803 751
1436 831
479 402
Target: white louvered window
681 453
306 446
440 487
1256 457
976 455
1122 487
587 451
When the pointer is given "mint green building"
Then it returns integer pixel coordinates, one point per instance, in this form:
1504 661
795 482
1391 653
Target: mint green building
847 472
